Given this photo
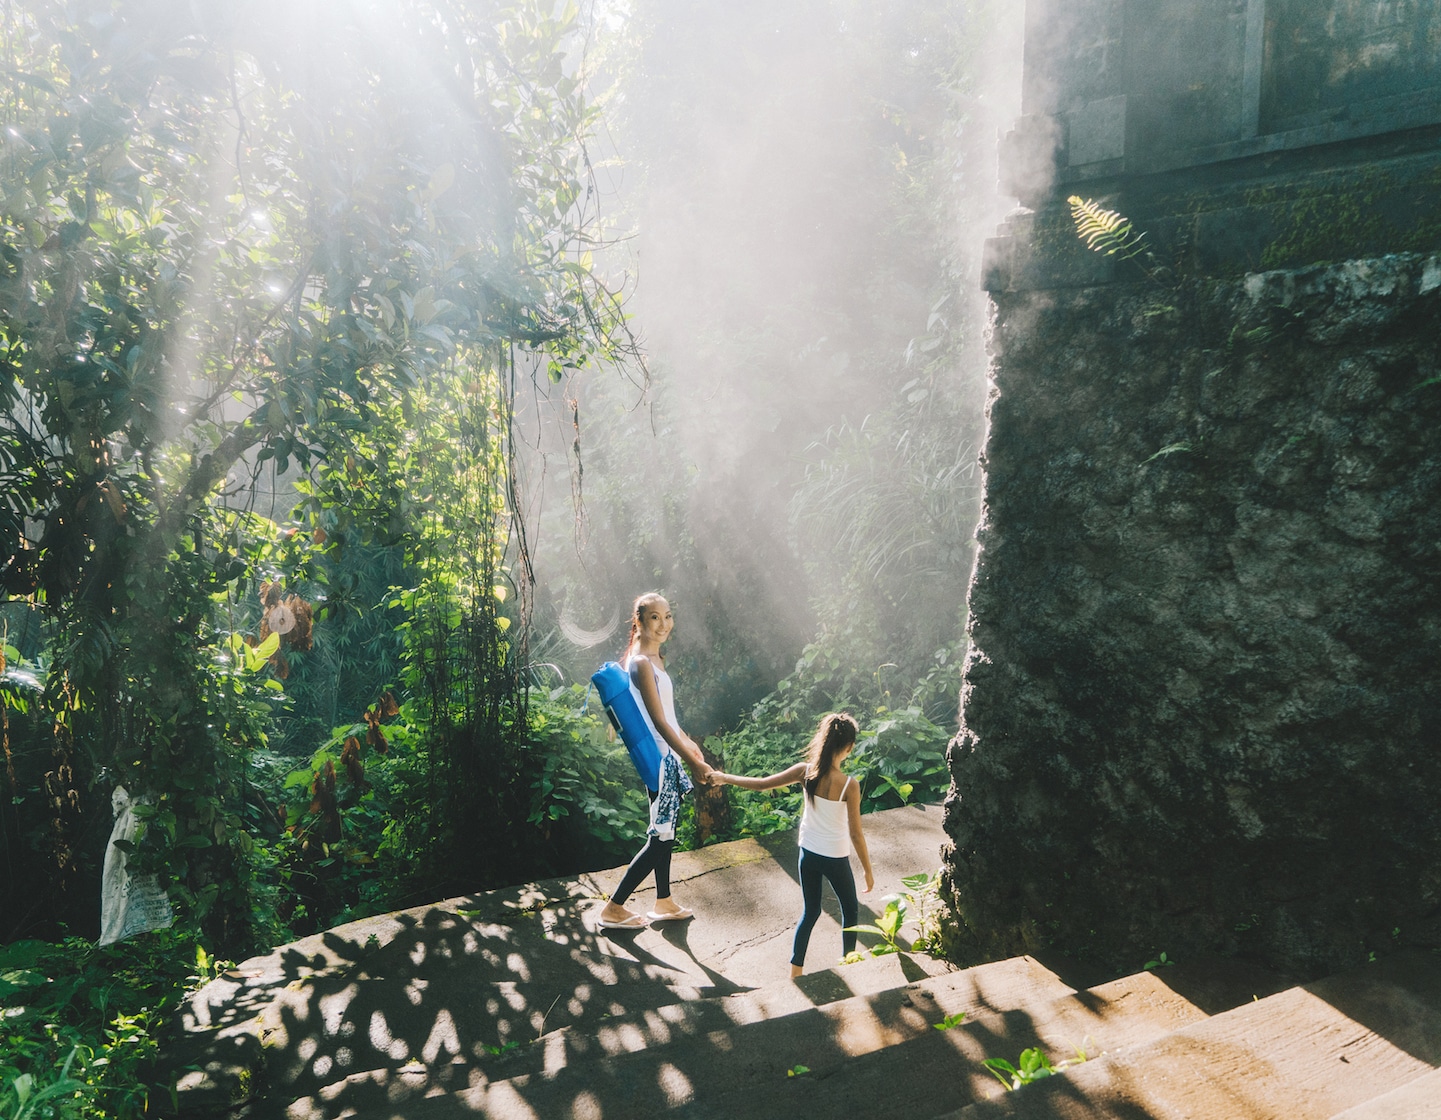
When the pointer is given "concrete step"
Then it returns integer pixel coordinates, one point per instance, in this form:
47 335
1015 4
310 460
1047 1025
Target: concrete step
1416 1100
939 1070
618 1060
851 1051
461 1042
1308 1053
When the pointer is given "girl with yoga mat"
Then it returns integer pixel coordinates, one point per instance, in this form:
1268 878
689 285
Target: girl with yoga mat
651 623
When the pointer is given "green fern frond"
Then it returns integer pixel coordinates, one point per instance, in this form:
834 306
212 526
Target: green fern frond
1105 231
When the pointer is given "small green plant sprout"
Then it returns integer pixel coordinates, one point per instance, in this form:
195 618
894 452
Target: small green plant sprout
1032 1066
855 956
950 1021
1105 231
1162 961
797 1071
887 926
921 892
504 1048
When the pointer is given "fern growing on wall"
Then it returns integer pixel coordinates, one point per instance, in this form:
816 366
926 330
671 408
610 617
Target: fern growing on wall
1105 231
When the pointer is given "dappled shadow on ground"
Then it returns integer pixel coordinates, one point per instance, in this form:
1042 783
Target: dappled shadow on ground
512 1004
513 1008
726 1068
714 1058
450 993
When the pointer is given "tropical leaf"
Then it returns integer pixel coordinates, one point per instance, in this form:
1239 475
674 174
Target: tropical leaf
1105 231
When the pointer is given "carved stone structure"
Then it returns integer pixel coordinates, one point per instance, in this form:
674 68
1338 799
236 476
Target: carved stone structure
1202 706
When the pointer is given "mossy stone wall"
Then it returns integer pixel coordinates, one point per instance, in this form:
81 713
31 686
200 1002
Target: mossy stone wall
1202 705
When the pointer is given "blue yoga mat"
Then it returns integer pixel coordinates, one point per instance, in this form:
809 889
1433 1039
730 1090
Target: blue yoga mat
613 684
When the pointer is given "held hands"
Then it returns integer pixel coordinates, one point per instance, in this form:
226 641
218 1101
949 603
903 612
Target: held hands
700 770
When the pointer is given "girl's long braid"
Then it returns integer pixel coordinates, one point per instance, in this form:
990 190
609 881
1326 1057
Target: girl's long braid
836 732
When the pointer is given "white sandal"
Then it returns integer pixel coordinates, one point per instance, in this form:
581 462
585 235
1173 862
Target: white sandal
630 921
675 916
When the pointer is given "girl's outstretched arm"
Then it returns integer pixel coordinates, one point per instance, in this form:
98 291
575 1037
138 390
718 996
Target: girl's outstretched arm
786 777
858 838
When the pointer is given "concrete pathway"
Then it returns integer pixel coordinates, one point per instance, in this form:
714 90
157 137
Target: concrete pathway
475 977
512 1006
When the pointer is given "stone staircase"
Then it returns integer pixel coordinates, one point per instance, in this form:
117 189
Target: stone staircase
510 1005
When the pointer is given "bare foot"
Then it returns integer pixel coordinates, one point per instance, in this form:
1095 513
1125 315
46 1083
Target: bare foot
668 905
795 971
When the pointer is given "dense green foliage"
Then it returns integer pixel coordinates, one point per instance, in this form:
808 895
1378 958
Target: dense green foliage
239 244
268 295
94 1017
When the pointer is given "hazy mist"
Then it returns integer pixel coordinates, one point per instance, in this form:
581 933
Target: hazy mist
805 189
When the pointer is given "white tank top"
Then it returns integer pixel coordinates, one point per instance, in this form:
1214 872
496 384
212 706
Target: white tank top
666 692
826 825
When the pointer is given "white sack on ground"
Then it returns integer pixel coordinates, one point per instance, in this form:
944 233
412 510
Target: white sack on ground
128 904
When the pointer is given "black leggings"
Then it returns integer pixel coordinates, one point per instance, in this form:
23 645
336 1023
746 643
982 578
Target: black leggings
655 856
838 870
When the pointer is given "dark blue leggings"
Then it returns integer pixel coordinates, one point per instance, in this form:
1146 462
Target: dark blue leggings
838 870
655 856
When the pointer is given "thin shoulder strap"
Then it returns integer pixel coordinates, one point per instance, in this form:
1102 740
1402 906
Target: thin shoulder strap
845 789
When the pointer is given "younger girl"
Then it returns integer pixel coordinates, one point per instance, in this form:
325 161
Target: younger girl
830 826
650 625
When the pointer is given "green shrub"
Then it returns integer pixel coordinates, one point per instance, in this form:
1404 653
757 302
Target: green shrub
80 1026
352 843
900 755
350 840
585 777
